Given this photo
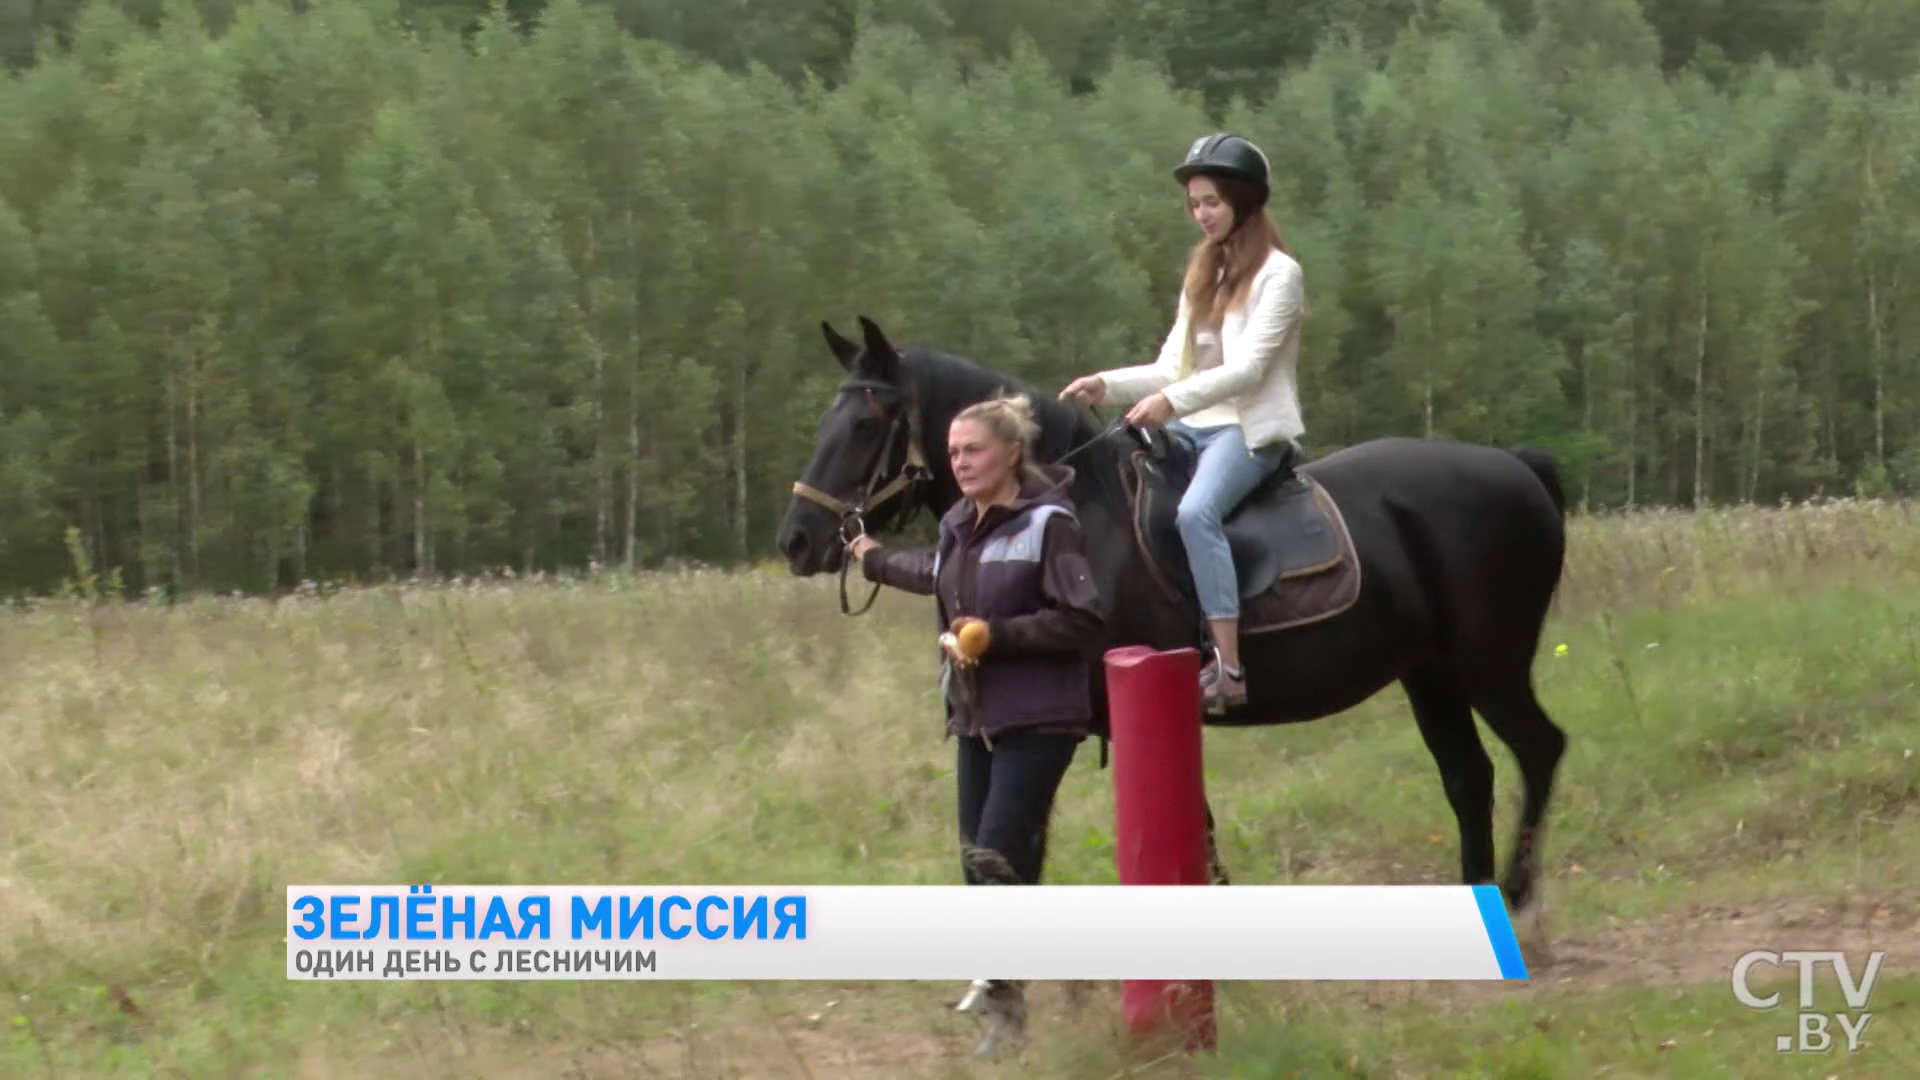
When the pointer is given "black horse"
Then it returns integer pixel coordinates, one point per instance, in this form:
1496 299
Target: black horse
1427 562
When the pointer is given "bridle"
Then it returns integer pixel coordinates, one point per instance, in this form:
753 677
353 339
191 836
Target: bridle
910 481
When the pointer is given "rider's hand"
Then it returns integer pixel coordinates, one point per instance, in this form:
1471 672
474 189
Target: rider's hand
1152 411
1087 389
861 545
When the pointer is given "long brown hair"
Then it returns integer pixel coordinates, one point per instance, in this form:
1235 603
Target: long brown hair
1240 255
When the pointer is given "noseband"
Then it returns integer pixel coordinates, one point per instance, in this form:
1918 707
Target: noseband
910 481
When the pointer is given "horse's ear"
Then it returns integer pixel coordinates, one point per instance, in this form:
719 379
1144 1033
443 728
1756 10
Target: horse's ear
843 350
881 361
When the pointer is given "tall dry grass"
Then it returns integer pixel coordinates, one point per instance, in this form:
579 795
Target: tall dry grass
1623 560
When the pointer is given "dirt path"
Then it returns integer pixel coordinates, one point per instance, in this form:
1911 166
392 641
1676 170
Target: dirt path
848 1036
1700 944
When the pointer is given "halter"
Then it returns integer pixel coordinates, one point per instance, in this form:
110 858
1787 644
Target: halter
910 480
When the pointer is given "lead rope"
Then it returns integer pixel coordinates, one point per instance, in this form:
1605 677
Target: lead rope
846 562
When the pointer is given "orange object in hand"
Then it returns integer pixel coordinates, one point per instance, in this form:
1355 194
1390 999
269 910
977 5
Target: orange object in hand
972 636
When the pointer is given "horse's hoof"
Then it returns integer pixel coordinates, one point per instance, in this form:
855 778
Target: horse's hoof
1530 919
1530 931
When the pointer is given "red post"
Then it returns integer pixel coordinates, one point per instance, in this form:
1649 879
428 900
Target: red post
1160 813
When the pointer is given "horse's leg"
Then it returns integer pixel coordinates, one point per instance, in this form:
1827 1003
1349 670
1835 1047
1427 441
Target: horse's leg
1515 715
1445 716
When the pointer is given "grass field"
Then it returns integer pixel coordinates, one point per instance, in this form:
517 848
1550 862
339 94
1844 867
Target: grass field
1739 690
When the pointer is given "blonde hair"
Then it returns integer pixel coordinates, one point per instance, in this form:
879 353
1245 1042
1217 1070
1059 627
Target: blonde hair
1009 418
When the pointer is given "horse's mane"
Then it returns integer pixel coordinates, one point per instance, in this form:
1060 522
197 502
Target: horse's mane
947 383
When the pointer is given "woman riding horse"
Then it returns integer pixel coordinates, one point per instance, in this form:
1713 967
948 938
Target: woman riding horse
1224 381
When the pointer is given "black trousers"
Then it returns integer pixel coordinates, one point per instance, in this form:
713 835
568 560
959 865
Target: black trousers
1006 799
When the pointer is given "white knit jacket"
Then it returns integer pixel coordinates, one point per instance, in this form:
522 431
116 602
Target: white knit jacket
1260 346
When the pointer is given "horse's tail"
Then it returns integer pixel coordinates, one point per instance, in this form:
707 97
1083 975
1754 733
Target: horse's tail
1547 469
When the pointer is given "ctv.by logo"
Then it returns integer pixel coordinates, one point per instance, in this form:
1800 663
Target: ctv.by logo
1813 1036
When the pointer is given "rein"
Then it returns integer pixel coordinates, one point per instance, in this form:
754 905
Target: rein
912 475
1113 426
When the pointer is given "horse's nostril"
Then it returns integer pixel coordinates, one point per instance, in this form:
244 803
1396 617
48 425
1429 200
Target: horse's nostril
794 545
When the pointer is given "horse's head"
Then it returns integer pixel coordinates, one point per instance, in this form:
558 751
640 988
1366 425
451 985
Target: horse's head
868 471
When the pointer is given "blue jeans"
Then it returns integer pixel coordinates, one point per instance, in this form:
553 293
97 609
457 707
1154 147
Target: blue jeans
1224 475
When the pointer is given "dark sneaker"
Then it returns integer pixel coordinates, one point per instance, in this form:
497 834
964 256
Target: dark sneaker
1001 1004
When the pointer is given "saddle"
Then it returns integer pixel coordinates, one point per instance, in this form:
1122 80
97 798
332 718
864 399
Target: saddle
1292 551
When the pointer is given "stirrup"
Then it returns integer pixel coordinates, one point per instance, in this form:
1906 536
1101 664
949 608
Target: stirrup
1213 682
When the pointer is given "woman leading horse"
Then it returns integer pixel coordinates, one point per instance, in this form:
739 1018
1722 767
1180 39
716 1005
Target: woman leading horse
1020 620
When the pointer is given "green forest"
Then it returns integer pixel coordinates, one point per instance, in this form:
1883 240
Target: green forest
303 290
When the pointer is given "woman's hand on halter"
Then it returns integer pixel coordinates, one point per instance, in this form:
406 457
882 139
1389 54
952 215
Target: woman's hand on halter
1087 390
860 546
1152 411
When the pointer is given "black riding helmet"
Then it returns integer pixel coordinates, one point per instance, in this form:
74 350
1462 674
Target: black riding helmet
1230 155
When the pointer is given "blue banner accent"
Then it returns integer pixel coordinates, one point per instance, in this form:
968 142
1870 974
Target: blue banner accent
1506 947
